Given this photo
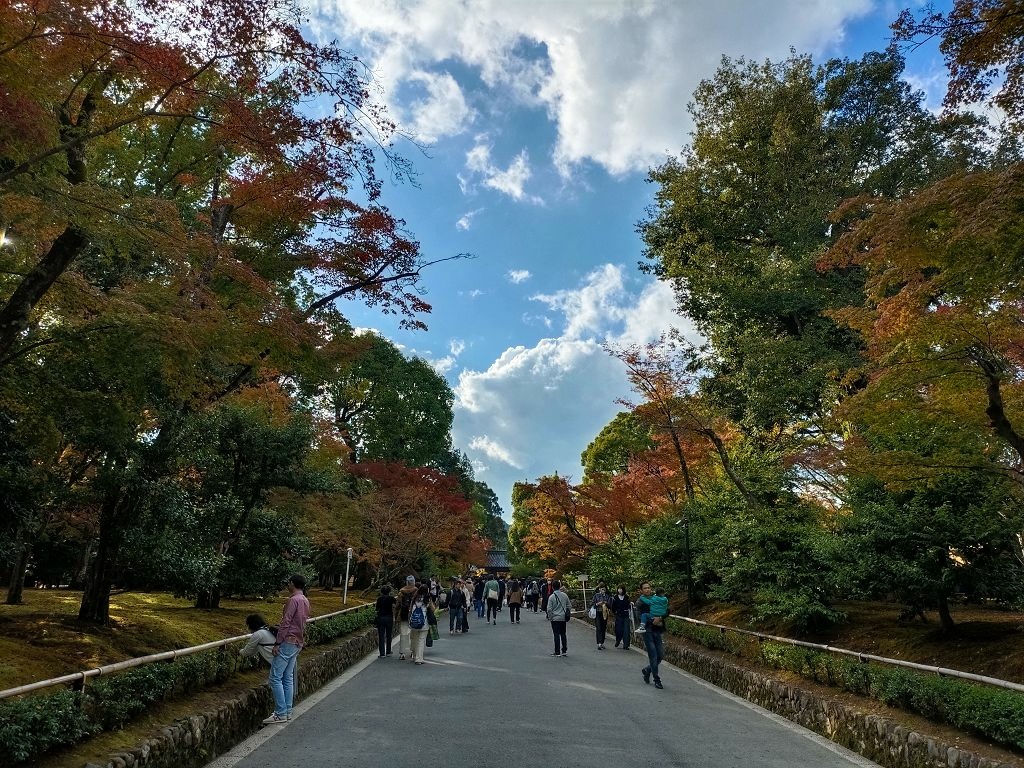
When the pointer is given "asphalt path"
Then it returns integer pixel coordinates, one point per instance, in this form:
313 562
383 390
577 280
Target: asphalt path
494 697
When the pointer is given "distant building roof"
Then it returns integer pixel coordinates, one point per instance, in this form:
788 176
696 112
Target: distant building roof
497 560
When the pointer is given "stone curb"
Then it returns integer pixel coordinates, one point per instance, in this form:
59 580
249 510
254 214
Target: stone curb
876 737
194 741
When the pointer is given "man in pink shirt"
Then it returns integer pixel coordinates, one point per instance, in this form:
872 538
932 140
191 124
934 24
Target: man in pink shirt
290 634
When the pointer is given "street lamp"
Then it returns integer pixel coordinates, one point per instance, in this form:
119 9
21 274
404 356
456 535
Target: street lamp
348 561
685 522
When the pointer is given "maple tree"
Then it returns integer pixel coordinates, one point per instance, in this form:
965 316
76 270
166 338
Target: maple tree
981 43
409 514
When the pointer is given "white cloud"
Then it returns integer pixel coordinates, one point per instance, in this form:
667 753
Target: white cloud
518 275
614 78
511 181
466 220
543 404
494 450
442 111
456 346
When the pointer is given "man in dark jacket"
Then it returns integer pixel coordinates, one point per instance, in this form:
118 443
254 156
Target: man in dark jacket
456 606
478 596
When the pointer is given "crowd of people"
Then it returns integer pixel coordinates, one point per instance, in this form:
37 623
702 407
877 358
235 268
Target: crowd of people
412 613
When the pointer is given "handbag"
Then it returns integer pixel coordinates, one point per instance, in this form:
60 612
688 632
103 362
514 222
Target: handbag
592 613
492 594
430 640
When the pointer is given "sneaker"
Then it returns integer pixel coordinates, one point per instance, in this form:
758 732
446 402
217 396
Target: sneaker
640 631
275 719
388 653
647 675
495 622
555 654
600 647
618 643
658 685
401 657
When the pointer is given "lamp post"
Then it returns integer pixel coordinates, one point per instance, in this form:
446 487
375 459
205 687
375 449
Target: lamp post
348 561
685 522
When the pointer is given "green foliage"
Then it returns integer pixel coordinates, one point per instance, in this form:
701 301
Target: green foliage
953 534
30 727
777 561
991 713
622 438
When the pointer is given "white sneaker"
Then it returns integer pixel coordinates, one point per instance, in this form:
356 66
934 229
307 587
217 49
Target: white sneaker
275 719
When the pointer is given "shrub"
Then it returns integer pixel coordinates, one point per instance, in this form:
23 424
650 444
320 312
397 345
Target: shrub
32 726
992 713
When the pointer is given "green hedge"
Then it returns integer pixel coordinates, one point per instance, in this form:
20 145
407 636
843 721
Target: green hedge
32 726
994 713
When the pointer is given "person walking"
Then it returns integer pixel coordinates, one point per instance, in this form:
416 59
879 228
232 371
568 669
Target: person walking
456 607
287 645
557 612
545 594
467 590
531 595
478 596
491 595
599 607
385 621
501 592
406 595
650 606
621 606
419 613
515 601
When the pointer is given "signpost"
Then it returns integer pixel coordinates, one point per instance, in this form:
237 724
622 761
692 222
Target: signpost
583 578
348 561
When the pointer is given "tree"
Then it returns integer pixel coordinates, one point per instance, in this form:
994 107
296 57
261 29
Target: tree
981 43
408 515
390 408
741 215
174 204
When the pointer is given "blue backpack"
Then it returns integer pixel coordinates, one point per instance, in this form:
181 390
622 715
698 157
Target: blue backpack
418 618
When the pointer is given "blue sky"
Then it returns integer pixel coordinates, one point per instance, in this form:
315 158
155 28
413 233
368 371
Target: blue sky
540 119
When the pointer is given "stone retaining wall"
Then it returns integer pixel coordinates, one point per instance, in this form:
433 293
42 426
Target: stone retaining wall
194 741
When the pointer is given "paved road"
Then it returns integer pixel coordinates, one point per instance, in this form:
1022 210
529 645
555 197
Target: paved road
494 697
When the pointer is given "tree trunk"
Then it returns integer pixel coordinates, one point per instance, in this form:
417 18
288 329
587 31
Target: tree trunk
944 615
209 599
16 585
14 316
95 606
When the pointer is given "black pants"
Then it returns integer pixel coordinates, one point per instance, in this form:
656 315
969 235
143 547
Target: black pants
492 608
622 633
513 611
465 619
601 623
558 630
385 625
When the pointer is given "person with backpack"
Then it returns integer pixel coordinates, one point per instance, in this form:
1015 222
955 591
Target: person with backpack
558 611
261 641
287 645
385 620
419 612
531 595
456 607
515 599
406 595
